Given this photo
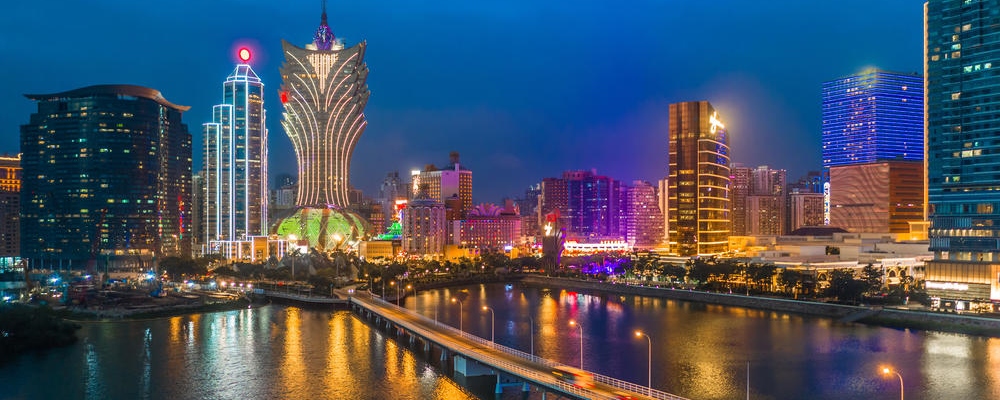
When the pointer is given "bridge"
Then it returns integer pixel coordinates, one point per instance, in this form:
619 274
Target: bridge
475 356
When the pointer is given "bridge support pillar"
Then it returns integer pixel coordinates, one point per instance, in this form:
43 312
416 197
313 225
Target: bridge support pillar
468 368
413 340
499 389
444 354
526 387
427 347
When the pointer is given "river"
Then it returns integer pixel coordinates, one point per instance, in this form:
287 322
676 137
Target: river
698 351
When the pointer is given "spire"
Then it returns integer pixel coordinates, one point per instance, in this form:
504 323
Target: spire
323 18
323 39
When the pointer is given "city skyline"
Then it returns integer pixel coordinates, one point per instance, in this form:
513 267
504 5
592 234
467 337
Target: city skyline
597 75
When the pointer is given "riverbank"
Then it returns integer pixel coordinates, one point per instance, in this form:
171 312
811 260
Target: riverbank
26 328
888 317
84 314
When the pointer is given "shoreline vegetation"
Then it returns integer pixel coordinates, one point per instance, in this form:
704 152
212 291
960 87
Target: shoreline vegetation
25 328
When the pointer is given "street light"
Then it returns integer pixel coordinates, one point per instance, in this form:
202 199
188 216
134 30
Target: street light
649 363
454 299
493 322
393 284
574 323
886 371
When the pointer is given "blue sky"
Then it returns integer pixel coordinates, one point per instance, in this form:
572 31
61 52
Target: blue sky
523 89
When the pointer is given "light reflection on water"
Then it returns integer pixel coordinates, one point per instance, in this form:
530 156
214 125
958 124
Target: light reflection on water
701 351
271 352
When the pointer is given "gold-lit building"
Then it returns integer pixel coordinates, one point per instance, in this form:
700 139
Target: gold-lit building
10 205
699 180
861 203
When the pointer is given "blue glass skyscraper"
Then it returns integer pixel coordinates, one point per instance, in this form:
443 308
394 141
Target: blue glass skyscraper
962 64
873 116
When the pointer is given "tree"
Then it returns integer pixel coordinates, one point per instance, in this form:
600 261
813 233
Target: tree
844 287
873 279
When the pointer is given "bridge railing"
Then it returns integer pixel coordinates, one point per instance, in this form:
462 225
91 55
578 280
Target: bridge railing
607 380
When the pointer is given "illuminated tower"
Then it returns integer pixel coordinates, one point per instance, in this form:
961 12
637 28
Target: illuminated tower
699 182
324 94
235 194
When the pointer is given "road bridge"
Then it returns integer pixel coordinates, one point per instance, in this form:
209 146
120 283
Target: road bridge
475 356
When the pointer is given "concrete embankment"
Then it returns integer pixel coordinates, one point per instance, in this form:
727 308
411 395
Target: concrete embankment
887 317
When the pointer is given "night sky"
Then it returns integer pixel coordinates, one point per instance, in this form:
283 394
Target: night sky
523 89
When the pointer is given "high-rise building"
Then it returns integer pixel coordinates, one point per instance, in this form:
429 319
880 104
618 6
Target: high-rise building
393 188
740 178
450 184
235 161
528 207
552 202
107 171
643 220
877 197
765 206
804 209
873 116
324 94
699 180
961 61
424 227
491 227
593 206
10 205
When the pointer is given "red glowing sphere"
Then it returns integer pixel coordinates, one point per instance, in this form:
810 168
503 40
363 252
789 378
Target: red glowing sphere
284 97
244 54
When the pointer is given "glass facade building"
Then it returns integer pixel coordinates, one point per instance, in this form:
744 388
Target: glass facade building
873 116
106 171
698 202
962 67
235 161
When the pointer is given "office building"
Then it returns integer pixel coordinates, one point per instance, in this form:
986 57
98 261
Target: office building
235 198
323 92
107 172
699 204
961 58
804 209
593 207
765 203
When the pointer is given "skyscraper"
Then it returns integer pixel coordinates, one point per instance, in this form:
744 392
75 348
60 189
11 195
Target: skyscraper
740 179
873 116
961 56
324 94
10 205
235 162
593 207
643 220
699 180
107 170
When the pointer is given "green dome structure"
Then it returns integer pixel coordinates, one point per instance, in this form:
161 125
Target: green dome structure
325 229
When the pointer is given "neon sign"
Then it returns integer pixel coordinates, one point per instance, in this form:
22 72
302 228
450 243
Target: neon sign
714 123
947 286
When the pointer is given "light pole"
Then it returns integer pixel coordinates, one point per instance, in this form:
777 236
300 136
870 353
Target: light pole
649 363
455 299
574 323
393 284
493 322
886 371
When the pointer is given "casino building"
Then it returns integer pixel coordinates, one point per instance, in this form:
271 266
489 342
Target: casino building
323 92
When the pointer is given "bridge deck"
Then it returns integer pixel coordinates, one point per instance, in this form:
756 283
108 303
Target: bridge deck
533 369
